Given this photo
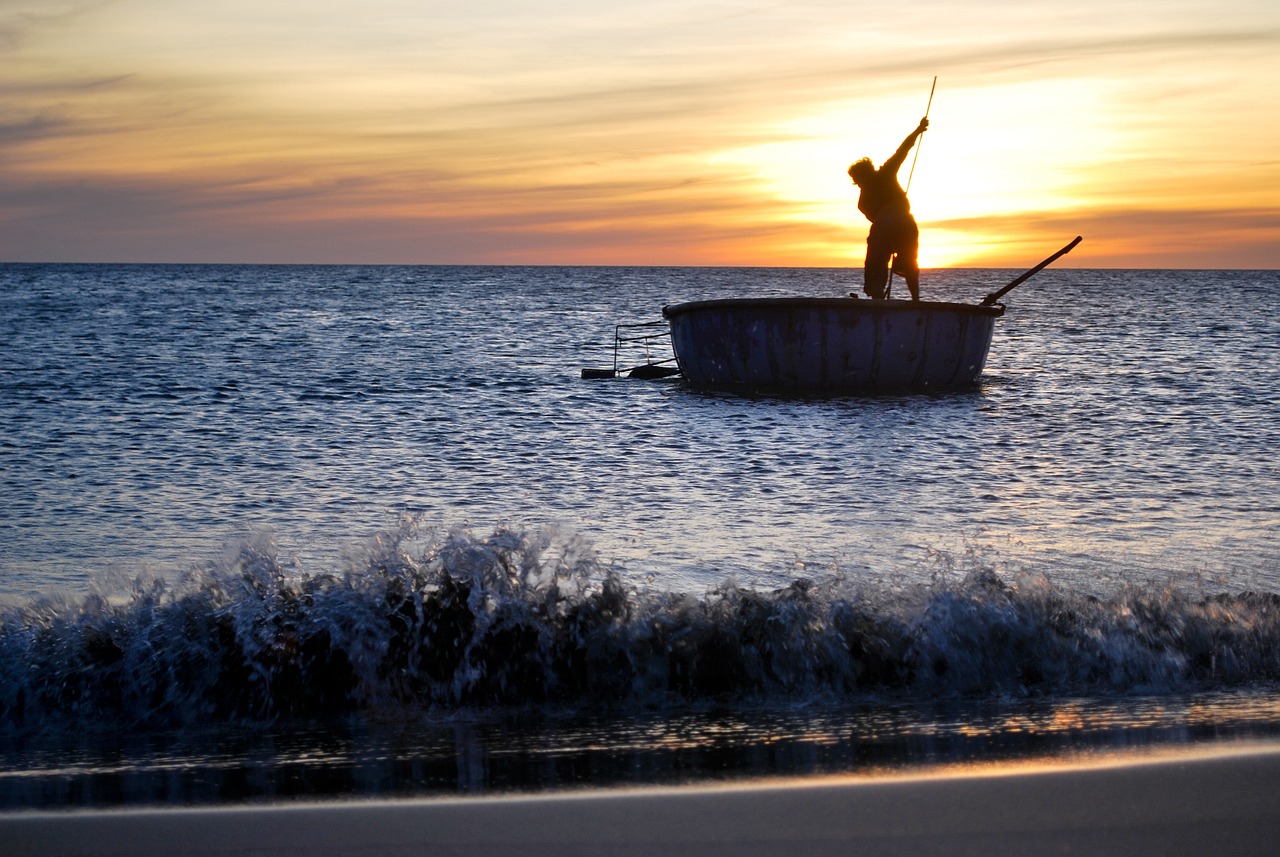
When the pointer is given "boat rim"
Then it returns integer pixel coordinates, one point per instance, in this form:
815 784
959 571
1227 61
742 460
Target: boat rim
671 310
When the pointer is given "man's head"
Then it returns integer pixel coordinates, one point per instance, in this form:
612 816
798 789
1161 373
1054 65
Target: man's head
861 170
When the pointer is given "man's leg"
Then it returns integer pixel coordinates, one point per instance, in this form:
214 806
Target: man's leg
875 272
906 263
874 278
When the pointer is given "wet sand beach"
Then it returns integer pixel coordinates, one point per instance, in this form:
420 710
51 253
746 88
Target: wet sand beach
1222 801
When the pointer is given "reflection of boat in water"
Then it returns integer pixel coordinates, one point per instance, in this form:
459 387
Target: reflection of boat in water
814 344
831 344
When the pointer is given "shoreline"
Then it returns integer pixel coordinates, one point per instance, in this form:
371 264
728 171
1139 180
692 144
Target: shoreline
1215 800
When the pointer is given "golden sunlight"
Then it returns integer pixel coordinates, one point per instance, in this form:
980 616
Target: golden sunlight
622 136
991 151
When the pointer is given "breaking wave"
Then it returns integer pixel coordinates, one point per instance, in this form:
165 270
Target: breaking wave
454 621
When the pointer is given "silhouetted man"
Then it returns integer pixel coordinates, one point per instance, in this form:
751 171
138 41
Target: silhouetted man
894 233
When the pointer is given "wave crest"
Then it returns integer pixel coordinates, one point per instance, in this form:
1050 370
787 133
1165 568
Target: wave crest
533 617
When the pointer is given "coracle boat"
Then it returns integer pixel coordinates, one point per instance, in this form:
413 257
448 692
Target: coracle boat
820 345
836 345
830 344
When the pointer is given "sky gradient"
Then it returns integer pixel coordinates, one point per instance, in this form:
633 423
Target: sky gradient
677 132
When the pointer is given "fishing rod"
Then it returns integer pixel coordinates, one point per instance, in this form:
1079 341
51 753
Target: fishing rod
888 285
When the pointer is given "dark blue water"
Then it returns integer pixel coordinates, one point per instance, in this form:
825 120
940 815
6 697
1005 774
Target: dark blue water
360 508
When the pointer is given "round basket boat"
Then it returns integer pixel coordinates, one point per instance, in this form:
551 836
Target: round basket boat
831 344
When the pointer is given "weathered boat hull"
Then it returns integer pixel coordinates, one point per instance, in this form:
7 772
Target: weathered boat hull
831 344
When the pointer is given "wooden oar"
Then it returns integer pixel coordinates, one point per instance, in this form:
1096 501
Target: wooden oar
990 299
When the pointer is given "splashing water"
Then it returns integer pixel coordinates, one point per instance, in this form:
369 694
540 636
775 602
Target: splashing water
449 622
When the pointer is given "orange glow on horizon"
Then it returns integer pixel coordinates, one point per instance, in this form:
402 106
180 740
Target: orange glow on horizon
386 132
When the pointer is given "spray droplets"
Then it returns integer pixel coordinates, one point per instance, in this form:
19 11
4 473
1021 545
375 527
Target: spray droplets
454 621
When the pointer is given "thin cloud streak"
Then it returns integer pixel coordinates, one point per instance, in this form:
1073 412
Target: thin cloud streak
657 140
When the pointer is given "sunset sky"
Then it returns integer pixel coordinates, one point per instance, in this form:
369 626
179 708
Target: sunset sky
660 132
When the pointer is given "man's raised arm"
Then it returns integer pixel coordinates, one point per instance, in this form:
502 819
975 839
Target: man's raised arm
899 156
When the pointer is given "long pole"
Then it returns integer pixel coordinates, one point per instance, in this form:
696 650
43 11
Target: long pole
888 285
920 143
990 300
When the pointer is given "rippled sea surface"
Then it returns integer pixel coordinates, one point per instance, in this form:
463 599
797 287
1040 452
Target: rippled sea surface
1126 425
279 475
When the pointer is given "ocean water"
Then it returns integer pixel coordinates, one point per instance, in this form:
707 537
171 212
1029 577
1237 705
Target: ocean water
277 531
